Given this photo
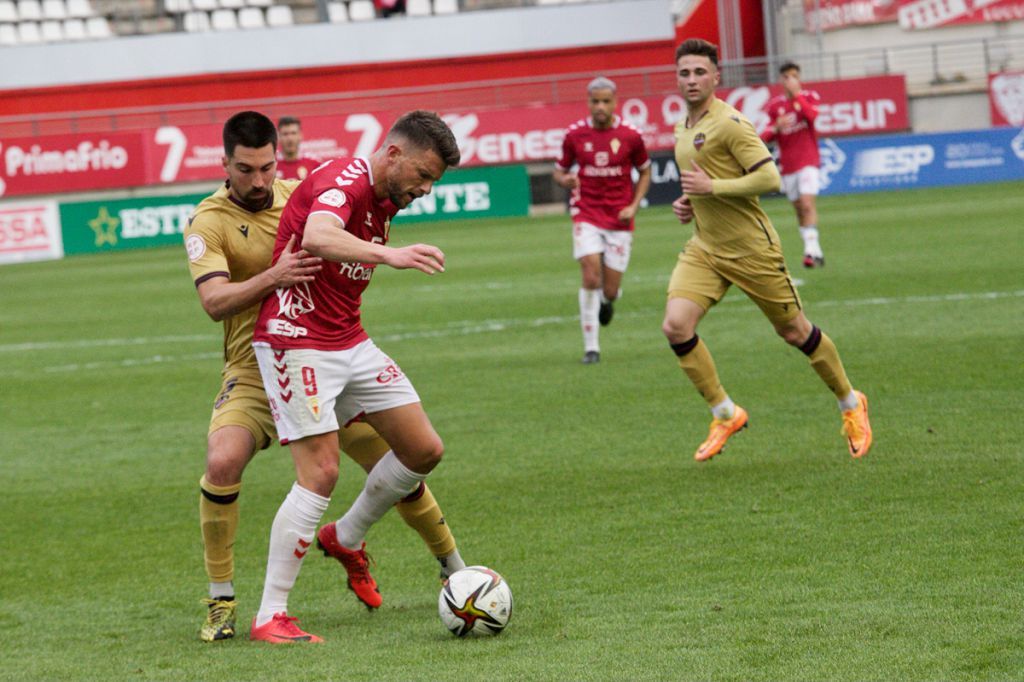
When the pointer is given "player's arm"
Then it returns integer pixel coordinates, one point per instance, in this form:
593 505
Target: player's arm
326 236
643 184
222 298
760 176
807 105
563 166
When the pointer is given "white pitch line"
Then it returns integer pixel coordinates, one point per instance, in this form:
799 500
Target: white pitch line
132 362
464 327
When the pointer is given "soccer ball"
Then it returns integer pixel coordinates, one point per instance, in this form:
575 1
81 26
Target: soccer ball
475 601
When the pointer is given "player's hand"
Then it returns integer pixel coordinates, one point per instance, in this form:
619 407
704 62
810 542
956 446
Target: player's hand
695 182
422 257
683 209
570 181
627 214
294 266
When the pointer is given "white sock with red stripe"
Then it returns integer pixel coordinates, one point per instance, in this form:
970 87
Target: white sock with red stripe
387 483
290 538
590 303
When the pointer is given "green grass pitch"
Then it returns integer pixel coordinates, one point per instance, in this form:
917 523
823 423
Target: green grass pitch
782 558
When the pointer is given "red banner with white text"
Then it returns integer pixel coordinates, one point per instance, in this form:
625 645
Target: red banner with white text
172 154
912 15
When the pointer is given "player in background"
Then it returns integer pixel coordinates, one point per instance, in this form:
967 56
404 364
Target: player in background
230 241
792 128
290 164
320 368
724 166
603 204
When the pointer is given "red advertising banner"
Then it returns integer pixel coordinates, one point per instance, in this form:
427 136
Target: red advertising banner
30 231
1006 98
172 154
829 15
923 14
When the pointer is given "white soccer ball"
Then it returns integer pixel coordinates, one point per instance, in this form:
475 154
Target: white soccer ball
475 601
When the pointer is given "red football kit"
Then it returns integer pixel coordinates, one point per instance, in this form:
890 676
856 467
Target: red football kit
299 169
606 158
324 314
798 143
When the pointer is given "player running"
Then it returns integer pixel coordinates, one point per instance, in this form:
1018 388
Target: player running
603 204
793 114
230 241
724 166
320 368
291 165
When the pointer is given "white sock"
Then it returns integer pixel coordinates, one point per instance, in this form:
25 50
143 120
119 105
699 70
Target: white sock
810 237
850 402
451 563
387 483
221 590
590 303
291 535
724 410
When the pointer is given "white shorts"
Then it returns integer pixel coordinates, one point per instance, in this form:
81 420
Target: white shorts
614 244
804 181
313 391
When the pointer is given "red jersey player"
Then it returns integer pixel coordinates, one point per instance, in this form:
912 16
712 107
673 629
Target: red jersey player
321 370
793 114
603 204
291 166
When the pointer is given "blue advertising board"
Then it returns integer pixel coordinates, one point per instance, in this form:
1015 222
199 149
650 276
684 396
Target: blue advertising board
891 162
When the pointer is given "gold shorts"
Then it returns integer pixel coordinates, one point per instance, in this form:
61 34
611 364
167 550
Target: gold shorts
242 401
704 278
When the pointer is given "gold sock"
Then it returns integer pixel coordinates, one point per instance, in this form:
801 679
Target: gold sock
695 359
825 360
421 512
218 518
363 444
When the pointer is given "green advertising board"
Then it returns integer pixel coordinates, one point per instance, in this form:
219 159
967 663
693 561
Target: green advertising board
486 192
92 226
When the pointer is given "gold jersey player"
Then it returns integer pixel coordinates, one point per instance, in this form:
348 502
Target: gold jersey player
724 166
230 243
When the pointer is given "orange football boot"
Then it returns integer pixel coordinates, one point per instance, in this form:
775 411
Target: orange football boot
720 431
857 428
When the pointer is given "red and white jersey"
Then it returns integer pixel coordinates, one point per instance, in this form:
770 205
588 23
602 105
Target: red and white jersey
606 158
798 143
299 169
324 314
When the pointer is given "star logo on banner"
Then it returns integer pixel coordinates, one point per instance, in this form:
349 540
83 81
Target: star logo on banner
105 226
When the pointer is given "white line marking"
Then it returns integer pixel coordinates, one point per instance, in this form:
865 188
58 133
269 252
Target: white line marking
454 328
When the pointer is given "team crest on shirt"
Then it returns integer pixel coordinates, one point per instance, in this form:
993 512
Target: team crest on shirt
314 407
333 197
699 140
615 144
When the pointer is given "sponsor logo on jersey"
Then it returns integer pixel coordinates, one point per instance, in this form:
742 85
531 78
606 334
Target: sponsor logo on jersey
606 172
359 272
285 328
333 197
195 247
390 374
699 141
601 158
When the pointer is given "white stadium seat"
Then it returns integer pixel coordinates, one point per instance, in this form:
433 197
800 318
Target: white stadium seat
52 31
446 6
30 10
417 8
232 4
224 20
280 15
8 12
205 5
361 10
177 6
74 29
196 22
251 17
8 35
80 8
28 33
259 3
337 12
54 9
98 27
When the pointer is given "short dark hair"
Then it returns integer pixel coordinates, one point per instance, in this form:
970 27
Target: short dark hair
426 130
249 129
288 121
789 66
698 47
